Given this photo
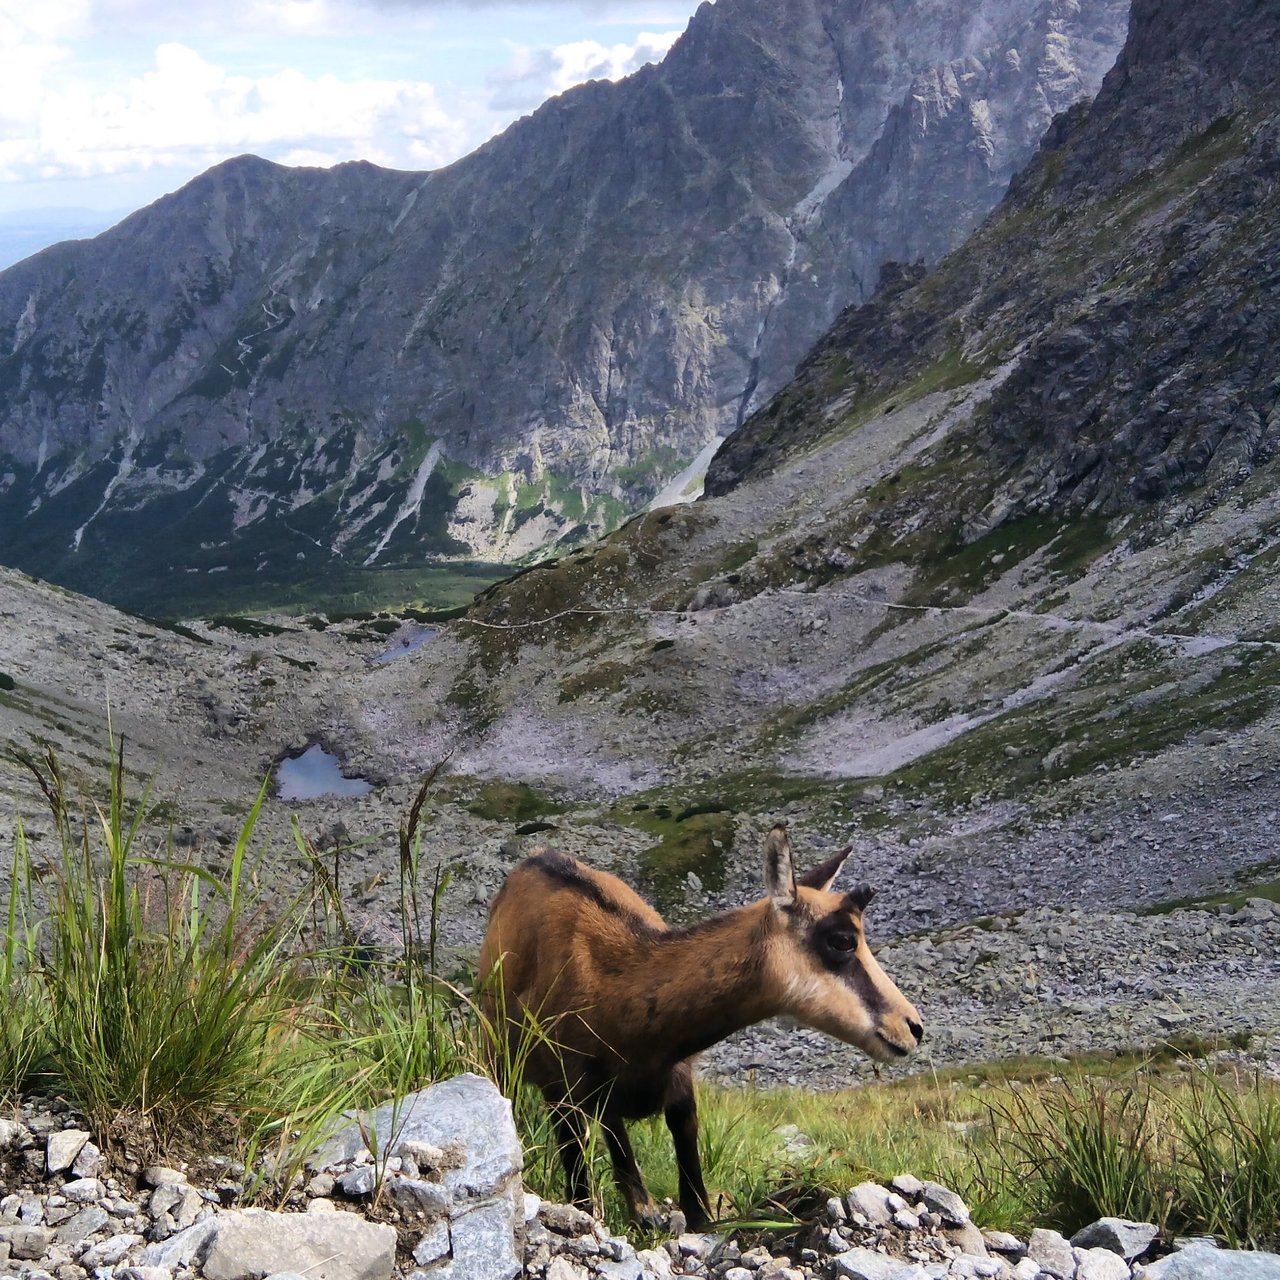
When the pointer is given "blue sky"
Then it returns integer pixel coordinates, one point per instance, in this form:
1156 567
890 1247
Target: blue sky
107 104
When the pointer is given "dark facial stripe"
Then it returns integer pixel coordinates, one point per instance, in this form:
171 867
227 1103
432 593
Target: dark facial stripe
845 964
860 980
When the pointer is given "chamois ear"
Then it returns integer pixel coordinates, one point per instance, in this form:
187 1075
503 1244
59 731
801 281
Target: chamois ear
779 875
823 876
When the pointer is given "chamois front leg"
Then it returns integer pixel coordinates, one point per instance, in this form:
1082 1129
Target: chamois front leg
630 1180
681 1115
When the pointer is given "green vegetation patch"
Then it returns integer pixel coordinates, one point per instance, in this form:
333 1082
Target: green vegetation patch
1107 723
246 626
511 802
605 677
701 844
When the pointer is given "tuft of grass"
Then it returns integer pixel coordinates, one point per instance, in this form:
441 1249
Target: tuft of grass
1196 1154
511 802
172 993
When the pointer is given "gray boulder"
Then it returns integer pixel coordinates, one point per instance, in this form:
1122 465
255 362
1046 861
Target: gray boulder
1205 1262
472 1208
326 1246
866 1264
945 1203
1128 1239
1052 1253
871 1200
1101 1264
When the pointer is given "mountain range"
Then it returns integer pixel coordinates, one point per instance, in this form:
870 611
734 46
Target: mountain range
277 372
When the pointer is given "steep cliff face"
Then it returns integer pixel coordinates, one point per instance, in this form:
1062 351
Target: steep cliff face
518 348
1125 292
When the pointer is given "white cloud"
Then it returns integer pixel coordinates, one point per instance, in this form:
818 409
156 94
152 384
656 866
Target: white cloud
535 74
189 110
109 103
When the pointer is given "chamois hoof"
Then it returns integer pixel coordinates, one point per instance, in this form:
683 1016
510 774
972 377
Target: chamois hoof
649 1216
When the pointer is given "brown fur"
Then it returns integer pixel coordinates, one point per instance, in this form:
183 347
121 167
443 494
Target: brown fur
628 1001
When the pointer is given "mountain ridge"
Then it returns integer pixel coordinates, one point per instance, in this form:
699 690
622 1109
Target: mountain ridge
575 310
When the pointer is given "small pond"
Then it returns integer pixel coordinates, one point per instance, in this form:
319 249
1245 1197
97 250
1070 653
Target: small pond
407 642
316 773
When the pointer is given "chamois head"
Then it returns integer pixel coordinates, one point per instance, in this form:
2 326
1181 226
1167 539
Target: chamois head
827 977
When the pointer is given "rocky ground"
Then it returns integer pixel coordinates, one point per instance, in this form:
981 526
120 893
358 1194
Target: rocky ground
1013 922
444 1202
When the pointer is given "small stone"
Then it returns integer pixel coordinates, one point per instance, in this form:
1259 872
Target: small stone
321 1204
1100 1264
566 1220
866 1264
1051 1252
835 1210
692 1245
321 1185
110 1251
63 1148
361 1181
945 1203
84 1191
563 1269
1004 1242
160 1175
337 1246
83 1225
655 1263
413 1195
906 1184
29 1243
88 1164
1026 1269
870 1200
905 1220
968 1239
622 1269
738 1273
433 1246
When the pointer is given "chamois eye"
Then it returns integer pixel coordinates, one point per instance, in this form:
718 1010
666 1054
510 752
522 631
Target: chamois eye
842 941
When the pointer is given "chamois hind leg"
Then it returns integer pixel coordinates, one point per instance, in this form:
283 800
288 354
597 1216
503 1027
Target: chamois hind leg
682 1119
571 1136
627 1172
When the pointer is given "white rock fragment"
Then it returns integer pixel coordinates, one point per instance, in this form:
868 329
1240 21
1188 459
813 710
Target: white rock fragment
62 1149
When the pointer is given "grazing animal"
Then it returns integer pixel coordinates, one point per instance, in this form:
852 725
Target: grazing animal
627 1002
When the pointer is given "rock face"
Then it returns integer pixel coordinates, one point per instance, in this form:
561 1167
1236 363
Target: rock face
367 365
1128 331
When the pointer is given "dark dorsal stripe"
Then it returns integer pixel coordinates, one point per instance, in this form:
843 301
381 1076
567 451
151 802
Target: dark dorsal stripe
566 872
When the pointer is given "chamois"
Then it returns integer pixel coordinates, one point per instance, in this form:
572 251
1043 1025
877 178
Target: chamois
624 1002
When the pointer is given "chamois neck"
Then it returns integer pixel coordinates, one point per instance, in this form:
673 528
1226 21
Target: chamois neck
709 980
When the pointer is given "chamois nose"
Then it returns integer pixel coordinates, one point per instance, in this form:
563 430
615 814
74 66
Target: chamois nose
916 1029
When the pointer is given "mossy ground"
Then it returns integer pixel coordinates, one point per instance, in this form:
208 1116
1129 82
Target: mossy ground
511 802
